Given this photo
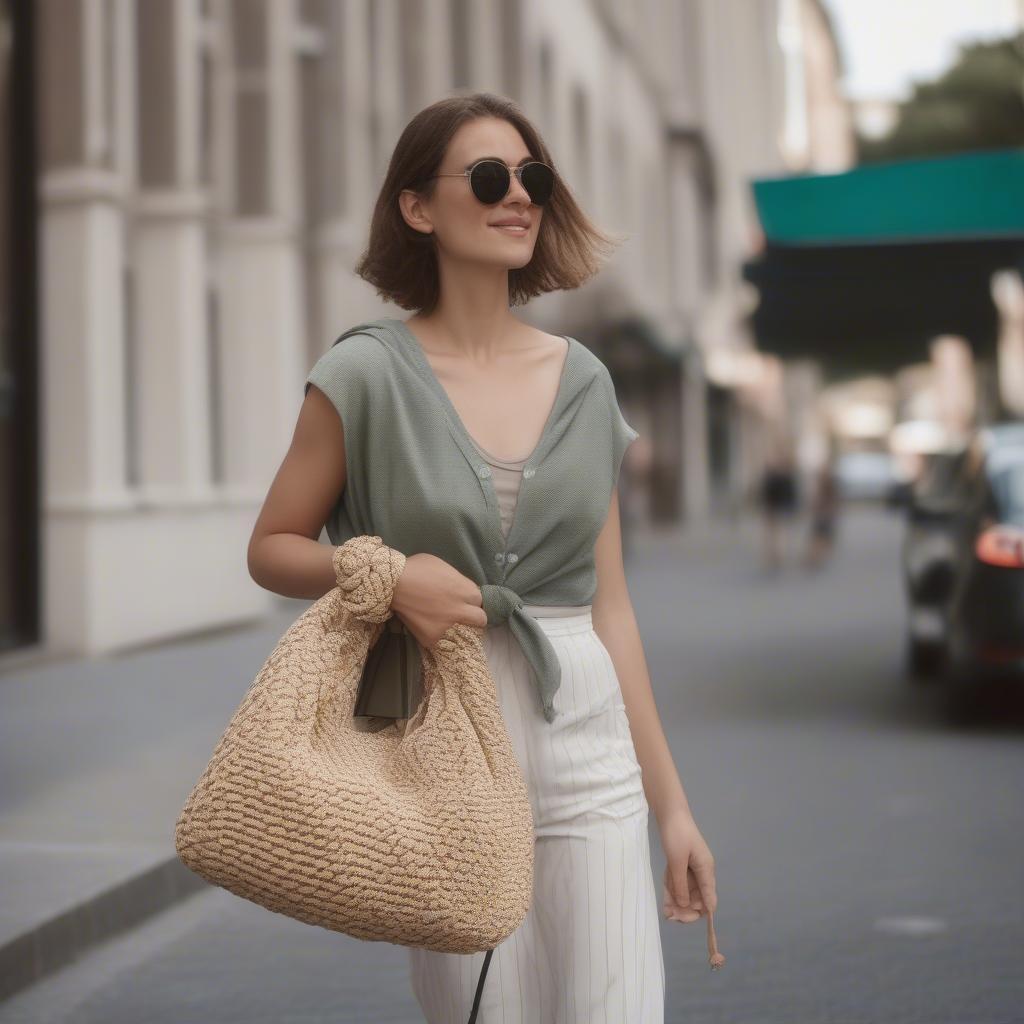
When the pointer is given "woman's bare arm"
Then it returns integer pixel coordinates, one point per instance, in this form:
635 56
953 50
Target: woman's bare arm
285 554
615 623
687 853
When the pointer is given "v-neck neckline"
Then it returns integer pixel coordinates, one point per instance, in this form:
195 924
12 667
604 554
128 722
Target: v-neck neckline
453 413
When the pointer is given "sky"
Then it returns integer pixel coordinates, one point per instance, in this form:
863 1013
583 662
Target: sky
887 44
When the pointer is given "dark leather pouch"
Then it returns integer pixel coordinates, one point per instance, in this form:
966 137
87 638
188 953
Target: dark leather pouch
391 683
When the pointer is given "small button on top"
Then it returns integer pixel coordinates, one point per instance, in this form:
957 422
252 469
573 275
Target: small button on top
529 472
499 556
484 471
512 556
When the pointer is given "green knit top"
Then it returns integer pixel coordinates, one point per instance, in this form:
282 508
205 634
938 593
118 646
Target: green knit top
416 479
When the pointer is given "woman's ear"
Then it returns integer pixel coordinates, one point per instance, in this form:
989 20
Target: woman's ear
414 211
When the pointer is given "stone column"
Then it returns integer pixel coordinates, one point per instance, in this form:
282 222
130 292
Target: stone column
263 337
351 178
82 326
168 269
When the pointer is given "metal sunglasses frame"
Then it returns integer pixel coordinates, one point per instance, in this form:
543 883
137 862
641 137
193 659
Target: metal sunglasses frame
517 171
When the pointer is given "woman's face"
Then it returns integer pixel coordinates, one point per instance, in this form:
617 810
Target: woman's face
465 229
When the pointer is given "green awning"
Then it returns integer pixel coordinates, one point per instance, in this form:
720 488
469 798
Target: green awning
963 196
862 269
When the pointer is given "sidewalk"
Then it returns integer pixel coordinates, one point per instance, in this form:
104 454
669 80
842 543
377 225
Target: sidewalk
99 756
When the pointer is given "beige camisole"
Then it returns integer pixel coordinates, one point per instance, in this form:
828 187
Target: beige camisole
507 477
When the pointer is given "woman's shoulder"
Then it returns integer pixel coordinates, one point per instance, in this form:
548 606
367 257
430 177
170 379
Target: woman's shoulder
587 359
356 363
355 348
362 349
606 395
588 372
597 371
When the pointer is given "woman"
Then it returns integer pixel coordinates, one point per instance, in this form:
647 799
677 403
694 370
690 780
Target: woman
526 547
824 511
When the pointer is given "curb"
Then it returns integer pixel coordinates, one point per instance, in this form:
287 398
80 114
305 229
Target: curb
55 943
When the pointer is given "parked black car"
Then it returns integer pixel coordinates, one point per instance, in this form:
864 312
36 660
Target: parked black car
963 560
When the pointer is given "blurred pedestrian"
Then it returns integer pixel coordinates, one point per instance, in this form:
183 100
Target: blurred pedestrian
778 501
824 510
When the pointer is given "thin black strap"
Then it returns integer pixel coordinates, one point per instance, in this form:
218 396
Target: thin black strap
480 987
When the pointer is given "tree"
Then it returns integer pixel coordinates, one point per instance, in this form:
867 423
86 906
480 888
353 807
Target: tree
976 104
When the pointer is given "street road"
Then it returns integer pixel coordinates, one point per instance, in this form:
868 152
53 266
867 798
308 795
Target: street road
868 854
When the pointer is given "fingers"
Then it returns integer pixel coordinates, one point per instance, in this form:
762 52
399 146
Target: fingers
474 617
693 885
704 882
676 913
475 614
675 900
689 902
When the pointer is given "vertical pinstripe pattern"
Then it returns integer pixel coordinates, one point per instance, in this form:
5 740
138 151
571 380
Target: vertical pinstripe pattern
589 950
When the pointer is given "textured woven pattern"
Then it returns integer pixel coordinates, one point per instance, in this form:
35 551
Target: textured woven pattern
419 834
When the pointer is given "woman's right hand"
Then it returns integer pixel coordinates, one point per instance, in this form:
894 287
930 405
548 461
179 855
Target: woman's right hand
431 595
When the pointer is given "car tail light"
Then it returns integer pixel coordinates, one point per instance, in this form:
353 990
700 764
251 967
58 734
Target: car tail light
1001 545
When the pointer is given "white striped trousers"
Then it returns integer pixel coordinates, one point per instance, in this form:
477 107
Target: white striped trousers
589 949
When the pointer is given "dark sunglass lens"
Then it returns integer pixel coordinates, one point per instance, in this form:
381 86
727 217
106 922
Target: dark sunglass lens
538 180
490 181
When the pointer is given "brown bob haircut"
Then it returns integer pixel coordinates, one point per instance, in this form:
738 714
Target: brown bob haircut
401 263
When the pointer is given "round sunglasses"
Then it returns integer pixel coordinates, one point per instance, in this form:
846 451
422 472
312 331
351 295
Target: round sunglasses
491 179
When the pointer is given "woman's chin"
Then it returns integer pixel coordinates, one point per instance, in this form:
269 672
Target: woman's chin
518 257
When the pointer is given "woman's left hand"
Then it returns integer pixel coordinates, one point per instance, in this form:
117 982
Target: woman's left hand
689 888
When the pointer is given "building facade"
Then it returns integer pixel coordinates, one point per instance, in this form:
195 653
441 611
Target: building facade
204 174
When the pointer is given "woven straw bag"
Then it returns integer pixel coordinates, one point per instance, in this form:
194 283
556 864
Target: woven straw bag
419 834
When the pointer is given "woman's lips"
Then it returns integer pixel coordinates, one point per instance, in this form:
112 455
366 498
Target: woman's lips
510 229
